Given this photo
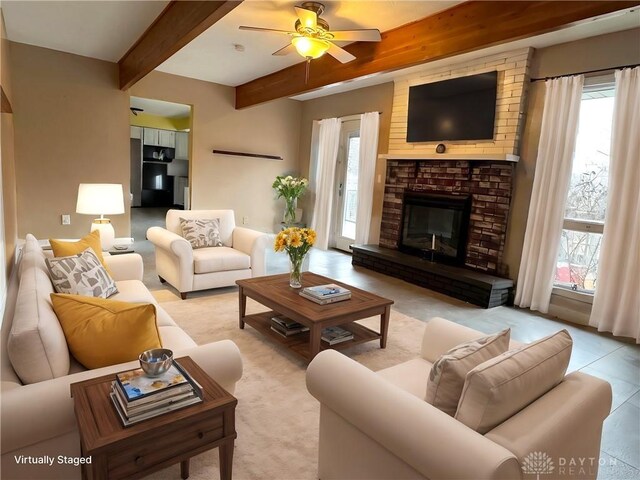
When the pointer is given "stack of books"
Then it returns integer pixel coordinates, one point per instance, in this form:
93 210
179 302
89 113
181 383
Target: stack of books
333 335
324 294
138 397
286 327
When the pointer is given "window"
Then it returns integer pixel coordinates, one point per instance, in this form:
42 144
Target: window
577 265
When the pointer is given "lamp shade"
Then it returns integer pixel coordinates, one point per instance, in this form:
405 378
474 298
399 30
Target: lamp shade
100 199
310 47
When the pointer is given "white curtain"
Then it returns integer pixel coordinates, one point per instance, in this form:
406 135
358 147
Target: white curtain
550 187
328 142
369 128
616 304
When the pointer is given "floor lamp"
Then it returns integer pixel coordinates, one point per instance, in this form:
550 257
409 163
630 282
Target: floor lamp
101 199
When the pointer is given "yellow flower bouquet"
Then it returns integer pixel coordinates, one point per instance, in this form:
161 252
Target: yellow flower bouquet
296 242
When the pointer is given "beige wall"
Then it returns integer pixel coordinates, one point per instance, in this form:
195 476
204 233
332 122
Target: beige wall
71 126
7 157
240 183
371 99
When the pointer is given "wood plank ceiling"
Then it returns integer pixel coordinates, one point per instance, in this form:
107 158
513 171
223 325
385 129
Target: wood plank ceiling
466 27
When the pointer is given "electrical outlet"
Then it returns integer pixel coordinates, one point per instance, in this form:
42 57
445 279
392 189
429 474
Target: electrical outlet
245 220
66 219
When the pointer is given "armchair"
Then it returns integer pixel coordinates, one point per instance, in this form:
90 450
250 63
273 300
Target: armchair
378 425
241 256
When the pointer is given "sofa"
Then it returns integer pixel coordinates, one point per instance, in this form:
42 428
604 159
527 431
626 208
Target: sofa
187 269
36 410
379 426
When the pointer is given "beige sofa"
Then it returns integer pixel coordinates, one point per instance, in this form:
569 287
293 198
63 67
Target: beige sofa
378 426
189 270
36 409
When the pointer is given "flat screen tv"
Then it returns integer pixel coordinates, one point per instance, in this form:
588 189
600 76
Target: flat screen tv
458 109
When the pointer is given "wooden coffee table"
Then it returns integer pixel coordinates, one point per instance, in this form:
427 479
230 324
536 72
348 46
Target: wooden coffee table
275 293
143 448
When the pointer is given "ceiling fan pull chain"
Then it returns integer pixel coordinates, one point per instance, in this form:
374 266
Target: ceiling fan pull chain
306 71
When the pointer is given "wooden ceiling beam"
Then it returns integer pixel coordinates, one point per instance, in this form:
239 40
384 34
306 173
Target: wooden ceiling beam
178 24
466 27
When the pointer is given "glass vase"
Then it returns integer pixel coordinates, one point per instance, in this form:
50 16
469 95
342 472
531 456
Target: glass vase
290 211
295 272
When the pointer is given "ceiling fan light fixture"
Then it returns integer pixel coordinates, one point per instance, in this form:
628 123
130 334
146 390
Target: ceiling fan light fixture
310 47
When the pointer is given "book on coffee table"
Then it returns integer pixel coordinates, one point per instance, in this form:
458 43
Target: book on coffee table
329 290
326 300
334 335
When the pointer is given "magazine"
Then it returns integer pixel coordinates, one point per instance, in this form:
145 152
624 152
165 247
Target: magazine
286 323
133 410
326 300
326 291
127 421
333 335
135 384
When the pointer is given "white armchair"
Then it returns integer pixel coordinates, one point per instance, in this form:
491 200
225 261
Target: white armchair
189 270
378 425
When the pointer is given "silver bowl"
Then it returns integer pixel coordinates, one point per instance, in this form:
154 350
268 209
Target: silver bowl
156 361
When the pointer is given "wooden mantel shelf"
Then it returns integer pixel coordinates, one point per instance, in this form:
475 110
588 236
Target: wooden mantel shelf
494 157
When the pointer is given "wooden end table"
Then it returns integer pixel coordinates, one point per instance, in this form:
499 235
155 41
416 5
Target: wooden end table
143 448
275 293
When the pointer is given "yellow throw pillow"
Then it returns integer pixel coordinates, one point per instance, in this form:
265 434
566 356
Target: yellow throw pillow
102 332
66 249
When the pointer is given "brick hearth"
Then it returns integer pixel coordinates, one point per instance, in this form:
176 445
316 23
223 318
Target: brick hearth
489 185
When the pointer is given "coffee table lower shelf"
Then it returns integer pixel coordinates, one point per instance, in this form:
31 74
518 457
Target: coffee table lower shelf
299 343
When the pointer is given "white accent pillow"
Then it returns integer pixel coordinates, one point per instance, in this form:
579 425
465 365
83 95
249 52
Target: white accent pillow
499 388
448 373
201 233
81 274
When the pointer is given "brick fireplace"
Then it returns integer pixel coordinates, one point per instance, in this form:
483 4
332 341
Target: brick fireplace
487 183
481 171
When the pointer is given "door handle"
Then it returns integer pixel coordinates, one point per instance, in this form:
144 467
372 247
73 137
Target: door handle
340 190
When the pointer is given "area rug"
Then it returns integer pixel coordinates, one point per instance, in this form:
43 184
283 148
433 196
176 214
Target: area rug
276 418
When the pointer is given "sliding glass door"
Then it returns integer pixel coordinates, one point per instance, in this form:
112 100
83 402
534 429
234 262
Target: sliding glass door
346 194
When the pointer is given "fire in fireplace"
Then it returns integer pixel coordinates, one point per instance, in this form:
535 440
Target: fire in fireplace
435 226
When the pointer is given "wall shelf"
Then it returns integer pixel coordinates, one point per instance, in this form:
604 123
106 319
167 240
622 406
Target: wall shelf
244 154
493 157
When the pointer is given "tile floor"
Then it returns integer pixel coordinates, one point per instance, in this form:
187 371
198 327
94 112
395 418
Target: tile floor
597 354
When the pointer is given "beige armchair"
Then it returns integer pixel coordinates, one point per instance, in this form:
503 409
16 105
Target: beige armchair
189 270
378 425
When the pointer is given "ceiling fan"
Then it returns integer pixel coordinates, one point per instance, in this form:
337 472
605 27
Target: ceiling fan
135 110
312 37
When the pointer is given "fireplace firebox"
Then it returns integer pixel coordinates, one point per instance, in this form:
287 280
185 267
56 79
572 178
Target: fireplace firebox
435 226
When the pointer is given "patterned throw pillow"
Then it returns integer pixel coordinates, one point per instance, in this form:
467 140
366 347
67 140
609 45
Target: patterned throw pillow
81 274
201 233
448 373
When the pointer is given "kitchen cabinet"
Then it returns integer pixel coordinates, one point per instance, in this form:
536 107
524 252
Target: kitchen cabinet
167 138
156 137
182 146
151 137
136 132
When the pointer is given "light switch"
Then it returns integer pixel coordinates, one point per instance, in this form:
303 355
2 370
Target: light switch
66 219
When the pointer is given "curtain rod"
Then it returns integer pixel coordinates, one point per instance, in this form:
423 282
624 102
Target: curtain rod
609 69
342 116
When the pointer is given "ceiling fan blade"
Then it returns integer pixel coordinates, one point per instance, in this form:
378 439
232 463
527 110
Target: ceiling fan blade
260 29
286 50
307 18
364 35
340 53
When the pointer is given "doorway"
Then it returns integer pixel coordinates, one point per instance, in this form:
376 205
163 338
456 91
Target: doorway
160 143
346 193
